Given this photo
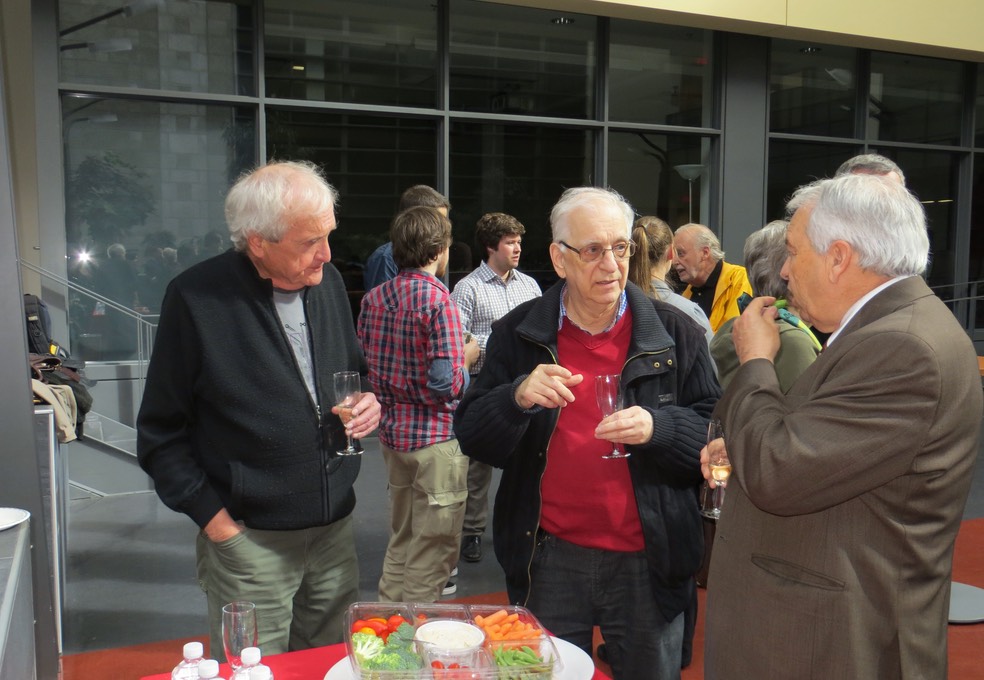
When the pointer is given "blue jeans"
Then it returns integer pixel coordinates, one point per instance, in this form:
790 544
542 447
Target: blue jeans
574 588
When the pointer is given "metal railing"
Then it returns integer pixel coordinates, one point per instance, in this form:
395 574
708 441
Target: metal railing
144 326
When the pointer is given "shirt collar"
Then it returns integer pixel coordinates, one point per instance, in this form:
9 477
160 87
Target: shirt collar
623 302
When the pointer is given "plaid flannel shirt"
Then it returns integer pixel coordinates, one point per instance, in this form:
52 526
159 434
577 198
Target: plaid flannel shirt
413 342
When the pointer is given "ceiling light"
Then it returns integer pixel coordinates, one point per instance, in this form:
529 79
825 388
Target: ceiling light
562 21
810 49
297 67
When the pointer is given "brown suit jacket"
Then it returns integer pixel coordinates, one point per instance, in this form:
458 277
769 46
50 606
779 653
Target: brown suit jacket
833 554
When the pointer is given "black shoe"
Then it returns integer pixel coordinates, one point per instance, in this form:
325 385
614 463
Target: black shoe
471 548
602 652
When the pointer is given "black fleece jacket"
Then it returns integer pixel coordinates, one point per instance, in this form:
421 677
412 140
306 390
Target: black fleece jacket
226 419
668 371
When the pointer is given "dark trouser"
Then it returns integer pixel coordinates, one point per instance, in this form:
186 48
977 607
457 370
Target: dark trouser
477 506
574 588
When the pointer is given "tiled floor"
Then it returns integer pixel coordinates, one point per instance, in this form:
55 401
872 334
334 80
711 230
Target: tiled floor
131 565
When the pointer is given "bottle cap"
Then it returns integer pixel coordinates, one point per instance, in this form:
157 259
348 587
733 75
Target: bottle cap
250 656
193 650
209 668
260 672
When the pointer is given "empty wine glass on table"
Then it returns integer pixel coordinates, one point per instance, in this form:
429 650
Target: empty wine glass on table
238 630
347 390
717 460
609 395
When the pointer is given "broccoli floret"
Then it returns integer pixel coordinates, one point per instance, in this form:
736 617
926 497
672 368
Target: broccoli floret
404 632
366 646
390 661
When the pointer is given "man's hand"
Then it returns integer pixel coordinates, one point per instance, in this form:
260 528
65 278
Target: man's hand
755 333
222 527
472 351
365 416
633 425
547 386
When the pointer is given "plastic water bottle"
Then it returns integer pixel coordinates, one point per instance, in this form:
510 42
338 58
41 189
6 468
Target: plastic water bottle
188 668
260 672
209 670
250 657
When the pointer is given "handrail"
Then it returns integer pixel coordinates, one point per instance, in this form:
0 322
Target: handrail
144 326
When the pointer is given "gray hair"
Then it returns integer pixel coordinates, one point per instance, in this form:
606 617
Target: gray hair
877 216
765 253
578 197
269 199
703 236
870 164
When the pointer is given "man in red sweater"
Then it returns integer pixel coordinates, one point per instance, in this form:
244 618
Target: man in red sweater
585 538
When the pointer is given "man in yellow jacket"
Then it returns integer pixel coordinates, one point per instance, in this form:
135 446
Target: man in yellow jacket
712 283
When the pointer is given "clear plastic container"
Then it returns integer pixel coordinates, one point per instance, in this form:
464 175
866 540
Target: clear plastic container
518 648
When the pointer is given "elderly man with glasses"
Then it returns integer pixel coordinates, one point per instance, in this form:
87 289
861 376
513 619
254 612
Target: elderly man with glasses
586 538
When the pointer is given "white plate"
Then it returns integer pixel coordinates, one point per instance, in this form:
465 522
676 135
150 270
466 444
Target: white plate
11 517
577 664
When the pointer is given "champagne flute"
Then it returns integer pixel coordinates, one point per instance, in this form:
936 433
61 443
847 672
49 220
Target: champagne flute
609 401
347 391
238 630
720 466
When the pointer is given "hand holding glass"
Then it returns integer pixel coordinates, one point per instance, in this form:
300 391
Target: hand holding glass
717 460
347 391
238 630
609 395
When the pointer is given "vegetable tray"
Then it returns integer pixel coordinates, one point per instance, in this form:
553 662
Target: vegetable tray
379 639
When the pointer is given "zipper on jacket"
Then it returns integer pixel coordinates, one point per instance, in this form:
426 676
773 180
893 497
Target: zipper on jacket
539 485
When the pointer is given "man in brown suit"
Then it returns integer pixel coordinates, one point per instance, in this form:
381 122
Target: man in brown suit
833 554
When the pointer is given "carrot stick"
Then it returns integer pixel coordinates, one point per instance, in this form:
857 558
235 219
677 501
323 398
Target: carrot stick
498 617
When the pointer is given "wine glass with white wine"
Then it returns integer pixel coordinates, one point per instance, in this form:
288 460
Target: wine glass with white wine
347 390
717 459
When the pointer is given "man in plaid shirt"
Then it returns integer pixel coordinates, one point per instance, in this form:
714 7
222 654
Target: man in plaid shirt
486 295
418 368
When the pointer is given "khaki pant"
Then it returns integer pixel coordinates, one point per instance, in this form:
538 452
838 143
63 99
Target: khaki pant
427 490
301 582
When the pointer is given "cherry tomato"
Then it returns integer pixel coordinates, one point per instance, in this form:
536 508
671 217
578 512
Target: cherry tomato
395 622
365 629
436 664
358 625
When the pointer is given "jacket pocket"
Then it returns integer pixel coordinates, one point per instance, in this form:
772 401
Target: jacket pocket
279 492
796 573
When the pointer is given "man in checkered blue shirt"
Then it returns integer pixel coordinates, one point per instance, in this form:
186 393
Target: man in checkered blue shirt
484 296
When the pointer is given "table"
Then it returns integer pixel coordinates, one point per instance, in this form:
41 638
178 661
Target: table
310 664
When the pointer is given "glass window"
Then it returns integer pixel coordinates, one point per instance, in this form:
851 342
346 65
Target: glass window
191 46
660 74
812 89
371 52
522 61
370 160
793 164
145 185
520 170
932 177
915 99
662 175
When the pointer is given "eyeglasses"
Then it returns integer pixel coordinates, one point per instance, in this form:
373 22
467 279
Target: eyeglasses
594 252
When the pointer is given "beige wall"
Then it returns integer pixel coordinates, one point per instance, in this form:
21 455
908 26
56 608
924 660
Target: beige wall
943 28
15 43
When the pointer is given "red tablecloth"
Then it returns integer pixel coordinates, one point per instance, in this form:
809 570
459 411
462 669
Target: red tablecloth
311 664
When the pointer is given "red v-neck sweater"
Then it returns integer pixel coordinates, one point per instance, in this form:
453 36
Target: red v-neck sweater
588 500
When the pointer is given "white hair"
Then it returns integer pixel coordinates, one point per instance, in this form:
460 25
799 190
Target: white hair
703 236
269 199
578 197
877 216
